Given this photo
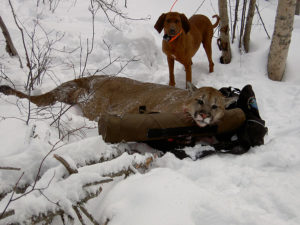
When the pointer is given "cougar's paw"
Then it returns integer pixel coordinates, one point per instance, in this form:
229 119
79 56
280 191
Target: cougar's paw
5 89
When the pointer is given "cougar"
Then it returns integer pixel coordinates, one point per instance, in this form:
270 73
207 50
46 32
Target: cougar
97 95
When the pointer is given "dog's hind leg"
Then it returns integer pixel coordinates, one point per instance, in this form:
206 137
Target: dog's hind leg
208 50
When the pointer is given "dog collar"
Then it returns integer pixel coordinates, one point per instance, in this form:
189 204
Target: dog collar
170 39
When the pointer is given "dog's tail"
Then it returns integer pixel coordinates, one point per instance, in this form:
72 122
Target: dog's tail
217 22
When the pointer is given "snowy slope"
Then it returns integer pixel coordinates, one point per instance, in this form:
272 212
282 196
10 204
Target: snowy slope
259 187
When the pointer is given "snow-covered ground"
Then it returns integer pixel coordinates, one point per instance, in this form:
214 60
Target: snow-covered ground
259 187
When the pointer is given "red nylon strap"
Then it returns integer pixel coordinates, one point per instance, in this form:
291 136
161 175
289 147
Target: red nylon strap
176 36
173 5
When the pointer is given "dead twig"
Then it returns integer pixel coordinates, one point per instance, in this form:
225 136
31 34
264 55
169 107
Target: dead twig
9 168
11 197
88 215
257 10
7 214
65 164
78 214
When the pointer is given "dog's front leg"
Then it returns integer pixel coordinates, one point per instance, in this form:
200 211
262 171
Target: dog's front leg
171 71
188 73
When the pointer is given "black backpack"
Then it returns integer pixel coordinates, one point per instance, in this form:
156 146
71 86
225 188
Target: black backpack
252 131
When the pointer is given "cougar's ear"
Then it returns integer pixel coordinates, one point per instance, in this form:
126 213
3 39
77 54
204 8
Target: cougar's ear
191 88
185 23
159 25
229 101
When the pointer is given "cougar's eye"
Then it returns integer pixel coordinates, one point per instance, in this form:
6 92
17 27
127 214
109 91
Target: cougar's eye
214 106
200 101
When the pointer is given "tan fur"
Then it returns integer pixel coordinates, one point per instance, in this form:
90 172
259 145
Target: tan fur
198 29
97 95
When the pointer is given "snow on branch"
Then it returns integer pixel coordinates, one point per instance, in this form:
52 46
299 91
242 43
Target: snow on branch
71 192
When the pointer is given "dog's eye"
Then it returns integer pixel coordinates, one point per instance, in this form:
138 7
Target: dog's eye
168 21
200 101
214 106
176 21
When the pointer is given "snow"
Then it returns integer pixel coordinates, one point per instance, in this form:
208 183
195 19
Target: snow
259 187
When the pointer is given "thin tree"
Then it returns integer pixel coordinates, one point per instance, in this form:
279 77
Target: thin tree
297 10
235 19
242 24
246 38
223 41
10 48
281 39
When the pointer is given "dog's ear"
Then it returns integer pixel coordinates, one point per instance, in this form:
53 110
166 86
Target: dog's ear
159 25
185 23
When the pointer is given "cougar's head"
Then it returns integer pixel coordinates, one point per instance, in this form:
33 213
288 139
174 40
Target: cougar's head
207 105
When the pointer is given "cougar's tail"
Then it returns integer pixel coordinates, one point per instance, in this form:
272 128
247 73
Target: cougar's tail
39 100
217 22
68 92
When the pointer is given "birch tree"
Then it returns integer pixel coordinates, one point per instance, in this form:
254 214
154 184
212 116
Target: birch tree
281 39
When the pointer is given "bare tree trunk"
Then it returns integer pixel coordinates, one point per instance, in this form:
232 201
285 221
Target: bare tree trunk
235 18
246 38
10 48
297 10
281 39
242 24
223 41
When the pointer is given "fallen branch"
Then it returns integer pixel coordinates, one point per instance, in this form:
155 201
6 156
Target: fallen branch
47 217
78 214
11 197
97 182
9 168
89 196
65 164
86 188
7 214
88 215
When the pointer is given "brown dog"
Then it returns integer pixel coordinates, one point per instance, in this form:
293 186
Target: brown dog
182 39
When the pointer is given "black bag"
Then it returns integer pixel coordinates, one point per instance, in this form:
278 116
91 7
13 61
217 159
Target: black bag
253 130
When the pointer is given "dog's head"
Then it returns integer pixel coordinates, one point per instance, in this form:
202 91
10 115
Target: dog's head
172 23
207 105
